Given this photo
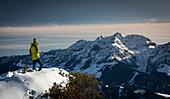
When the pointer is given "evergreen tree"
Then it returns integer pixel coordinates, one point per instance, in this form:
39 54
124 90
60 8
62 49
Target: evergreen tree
80 86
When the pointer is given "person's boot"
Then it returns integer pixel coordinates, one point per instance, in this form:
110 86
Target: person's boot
40 68
34 69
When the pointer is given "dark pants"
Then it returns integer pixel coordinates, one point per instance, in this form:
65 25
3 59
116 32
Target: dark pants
40 62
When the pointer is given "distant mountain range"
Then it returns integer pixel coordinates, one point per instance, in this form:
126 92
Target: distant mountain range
133 61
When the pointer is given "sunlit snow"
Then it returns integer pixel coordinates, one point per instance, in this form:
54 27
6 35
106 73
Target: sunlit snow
16 85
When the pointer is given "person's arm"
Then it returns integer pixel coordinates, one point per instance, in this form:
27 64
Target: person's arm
37 48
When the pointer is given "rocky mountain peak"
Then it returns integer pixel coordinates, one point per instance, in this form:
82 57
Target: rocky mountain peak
100 38
117 34
138 42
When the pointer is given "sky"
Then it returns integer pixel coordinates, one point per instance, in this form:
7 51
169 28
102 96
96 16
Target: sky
60 23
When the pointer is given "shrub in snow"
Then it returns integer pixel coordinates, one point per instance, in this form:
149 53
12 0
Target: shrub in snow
80 86
25 68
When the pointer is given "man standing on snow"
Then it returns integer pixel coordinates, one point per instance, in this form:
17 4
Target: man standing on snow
35 52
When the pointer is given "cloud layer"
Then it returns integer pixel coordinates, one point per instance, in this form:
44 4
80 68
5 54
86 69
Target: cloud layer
151 30
62 36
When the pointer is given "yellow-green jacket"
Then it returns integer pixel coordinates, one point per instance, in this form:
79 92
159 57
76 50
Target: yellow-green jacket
34 50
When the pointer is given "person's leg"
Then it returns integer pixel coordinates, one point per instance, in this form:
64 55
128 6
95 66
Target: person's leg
41 64
34 63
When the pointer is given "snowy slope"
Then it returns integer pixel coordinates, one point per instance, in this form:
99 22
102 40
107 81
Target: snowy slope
165 69
166 96
15 85
159 58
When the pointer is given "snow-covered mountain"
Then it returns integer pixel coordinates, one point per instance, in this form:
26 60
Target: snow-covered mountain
133 60
30 85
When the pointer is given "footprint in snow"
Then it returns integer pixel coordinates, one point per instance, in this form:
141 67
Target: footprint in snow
42 71
23 80
27 84
30 94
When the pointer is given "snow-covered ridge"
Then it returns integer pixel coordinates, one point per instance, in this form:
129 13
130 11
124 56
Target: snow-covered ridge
16 85
164 95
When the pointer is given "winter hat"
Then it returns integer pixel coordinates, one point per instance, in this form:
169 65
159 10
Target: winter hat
35 40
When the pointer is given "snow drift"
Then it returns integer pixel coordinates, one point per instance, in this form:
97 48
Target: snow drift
16 85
